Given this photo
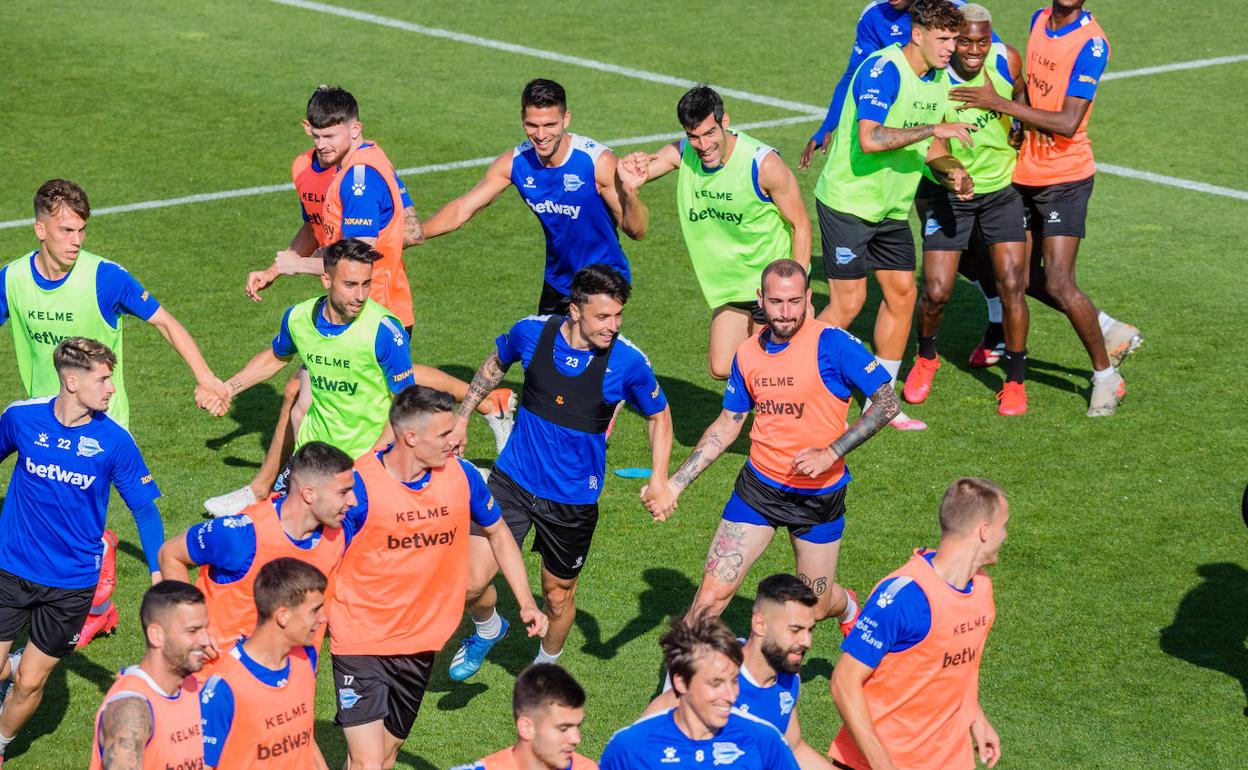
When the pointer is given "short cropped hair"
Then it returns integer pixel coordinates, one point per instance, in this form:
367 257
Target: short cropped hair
317 460
285 582
974 12
351 249
163 597
935 14
597 279
545 684
783 588
688 638
697 103
969 502
55 193
332 106
542 93
784 268
81 353
419 401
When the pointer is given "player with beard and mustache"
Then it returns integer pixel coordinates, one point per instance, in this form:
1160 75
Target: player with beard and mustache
797 376
769 680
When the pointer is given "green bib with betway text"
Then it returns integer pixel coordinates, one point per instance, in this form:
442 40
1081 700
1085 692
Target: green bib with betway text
990 162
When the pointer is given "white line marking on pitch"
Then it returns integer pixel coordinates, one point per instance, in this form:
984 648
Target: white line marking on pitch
1172 181
1183 65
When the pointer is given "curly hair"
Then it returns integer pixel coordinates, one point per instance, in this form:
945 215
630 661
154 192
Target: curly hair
935 14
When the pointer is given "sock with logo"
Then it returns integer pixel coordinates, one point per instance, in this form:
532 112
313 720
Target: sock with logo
546 657
490 628
1015 365
851 609
927 347
1105 320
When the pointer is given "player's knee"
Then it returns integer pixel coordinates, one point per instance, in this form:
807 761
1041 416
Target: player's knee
1061 289
936 294
719 370
1011 287
560 602
366 764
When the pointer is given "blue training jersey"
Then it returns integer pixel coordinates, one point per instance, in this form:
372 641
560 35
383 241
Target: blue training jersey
580 229
57 499
116 292
744 743
773 704
577 475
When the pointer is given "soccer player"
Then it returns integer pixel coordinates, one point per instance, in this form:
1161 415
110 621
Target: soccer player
797 375
704 729
259 706
569 182
995 213
306 523
69 452
399 592
549 707
769 683
577 369
907 682
150 717
1066 54
740 208
886 135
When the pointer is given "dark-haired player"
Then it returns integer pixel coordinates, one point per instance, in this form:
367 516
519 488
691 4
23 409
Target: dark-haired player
569 183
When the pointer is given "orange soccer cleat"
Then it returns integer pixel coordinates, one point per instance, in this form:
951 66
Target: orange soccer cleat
919 380
1012 400
848 625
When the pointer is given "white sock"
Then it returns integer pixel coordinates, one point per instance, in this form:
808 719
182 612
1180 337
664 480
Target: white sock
994 309
890 366
546 657
1104 374
491 627
1105 320
4 744
851 609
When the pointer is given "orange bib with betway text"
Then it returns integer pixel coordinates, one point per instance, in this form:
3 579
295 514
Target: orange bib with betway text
177 741
923 699
273 726
793 408
311 186
390 287
400 589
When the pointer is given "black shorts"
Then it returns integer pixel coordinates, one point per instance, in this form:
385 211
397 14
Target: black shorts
995 217
564 530
54 615
752 307
1057 209
381 687
852 245
553 301
797 512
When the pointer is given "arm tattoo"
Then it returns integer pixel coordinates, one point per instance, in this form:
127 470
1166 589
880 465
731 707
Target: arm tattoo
892 138
709 448
726 558
125 727
413 233
884 408
483 382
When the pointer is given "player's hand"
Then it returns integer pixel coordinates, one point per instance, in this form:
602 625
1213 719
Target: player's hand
259 280
288 262
1044 139
659 499
959 131
213 396
535 621
1015 137
213 650
459 437
156 577
811 462
633 170
808 154
987 741
984 97
961 184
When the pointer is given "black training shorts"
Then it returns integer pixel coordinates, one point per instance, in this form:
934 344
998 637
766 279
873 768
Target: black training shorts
564 530
852 245
55 615
995 217
1057 209
381 687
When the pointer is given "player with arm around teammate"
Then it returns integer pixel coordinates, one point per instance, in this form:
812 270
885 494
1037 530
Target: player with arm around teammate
150 718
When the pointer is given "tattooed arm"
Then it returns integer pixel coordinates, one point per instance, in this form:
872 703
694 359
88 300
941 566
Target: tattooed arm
884 407
483 382
876 137
718 437
413 233
125 728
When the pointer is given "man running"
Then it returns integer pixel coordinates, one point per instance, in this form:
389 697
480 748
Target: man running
1066 56
69 454
259 706
797 375
887 134
703 729
740 209
769 683
399 592
907 682
549 708
995 214
306 524
569 182
577 369
150 717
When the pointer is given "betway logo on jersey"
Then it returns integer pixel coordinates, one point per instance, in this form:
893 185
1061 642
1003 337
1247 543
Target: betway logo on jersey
54 472
321 382
787 408
421 540
550 207
714 213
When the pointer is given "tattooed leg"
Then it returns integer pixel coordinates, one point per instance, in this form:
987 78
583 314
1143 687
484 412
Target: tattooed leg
733 551
816 567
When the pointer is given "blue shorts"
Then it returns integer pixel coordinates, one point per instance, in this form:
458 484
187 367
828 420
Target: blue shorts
827 527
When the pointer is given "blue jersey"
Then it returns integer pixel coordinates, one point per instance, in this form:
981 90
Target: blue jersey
876 87
579 228
1089 64
774 705
227 546
576 477
1001 69
744 743
55 506
116 292
367 212
392 346
481 508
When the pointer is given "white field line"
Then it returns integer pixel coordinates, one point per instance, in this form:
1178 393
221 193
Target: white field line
1171 181
1183 65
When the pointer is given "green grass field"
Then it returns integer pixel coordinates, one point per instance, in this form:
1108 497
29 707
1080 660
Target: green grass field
1120 637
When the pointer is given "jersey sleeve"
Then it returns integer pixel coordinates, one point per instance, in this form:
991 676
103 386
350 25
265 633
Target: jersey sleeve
518 343
642 389
130 475
857 54
8 444
1003 69
616 755
875 88
118 292
4 295
481 505
216 709
227 544
283 343
896 617
406 199
736 395
367 207
777 754
844 362
357 514
1089 66
394 353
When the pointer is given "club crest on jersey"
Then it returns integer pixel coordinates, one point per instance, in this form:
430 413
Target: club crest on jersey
931 226
844 256
88 447
878 67
348 698
572 183
725 753
786 702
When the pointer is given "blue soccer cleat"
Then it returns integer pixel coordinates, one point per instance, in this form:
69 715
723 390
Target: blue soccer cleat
471 654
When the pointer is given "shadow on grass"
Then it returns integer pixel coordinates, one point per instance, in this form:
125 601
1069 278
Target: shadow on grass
51 712
1210 624
255 412
334 746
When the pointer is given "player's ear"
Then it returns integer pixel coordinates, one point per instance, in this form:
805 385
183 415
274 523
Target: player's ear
325 281
155 635
567 118
758 623
41 230
307 127
724 123
356 130
525 728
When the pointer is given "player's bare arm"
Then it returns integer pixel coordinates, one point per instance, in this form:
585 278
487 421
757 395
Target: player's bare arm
664 701
125 728
175 561
453 215
619 185
1063 123
781 186
987 742
949 171
718 437
260 368
876 137
884 407
805 754
657 494
663 162
848 693
210 392
511 564
487 378
301 245
413 231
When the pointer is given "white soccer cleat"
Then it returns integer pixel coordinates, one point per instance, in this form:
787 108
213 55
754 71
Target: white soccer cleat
15 659
503 421
1106 395
231 503
1121 340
